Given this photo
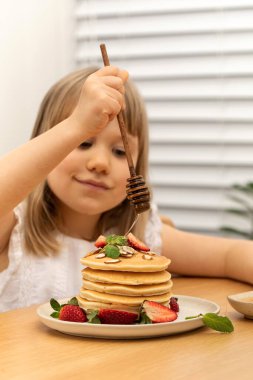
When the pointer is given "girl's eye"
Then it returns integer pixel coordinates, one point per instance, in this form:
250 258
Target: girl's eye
119 152
85 145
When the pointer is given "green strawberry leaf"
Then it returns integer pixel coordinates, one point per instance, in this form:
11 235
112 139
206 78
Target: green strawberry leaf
55 304
116 240
216 322
55 314
144 319
112 251
73 301
92 316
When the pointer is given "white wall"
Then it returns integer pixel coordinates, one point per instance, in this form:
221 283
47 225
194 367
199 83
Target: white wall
36 49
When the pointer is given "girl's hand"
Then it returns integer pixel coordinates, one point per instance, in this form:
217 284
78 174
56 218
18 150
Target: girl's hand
101 99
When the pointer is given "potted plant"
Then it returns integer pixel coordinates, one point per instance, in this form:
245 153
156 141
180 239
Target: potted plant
242 196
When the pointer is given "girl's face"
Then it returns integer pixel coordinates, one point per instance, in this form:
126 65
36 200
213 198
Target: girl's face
92 178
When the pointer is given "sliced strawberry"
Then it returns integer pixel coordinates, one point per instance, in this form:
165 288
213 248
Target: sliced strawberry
158 313
136 243
72 313
117 317
100 242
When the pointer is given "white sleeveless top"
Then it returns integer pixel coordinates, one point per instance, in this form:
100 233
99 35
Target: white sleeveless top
30 279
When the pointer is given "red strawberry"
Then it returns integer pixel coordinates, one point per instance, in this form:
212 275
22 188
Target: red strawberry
117 317
174 304
136 243
101 241
72 313
158 313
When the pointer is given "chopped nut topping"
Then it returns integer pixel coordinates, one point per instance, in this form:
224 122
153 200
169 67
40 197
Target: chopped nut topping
112 261
125 253
126 249
100 256
147 257
151 253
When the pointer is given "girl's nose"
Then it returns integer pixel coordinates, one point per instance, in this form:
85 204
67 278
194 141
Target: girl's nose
99 161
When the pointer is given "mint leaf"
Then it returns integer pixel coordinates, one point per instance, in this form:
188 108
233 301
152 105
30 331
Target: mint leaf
194 316
215 322
116 240
73 301
144 319
112 251
218 323
92 316
55 304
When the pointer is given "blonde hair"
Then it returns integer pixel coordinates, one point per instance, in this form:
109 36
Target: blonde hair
41 212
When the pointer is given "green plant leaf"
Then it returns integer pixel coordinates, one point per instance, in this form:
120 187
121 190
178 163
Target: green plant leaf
231 230
112 251
247 188
242 202
215 322
218 323
242 195
116 240
194 316
237 211
55 304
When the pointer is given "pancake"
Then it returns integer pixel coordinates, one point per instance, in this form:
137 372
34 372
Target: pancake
128 290
125 282
126 278
136 263
92 305
92 295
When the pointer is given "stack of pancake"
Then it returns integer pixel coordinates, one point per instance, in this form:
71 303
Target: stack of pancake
124 283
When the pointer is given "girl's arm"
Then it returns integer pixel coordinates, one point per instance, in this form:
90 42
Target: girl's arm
25 167
198 255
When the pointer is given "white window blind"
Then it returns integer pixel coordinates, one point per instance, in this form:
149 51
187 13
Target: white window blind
193 63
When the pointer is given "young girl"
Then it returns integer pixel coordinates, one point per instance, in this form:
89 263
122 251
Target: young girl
67 185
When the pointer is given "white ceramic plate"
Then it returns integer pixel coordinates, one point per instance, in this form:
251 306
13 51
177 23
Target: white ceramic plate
239 303
189 306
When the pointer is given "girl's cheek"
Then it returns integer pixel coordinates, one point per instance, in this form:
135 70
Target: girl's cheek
68 163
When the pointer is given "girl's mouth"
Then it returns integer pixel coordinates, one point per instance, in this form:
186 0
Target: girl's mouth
93 184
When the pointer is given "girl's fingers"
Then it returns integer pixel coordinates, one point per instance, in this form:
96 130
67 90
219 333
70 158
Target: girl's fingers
116 110
112 71
115 95
115 83
115 99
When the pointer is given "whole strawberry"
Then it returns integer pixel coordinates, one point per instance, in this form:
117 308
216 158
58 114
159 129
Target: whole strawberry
117 317
70 312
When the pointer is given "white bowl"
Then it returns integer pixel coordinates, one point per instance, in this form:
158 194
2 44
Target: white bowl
242 302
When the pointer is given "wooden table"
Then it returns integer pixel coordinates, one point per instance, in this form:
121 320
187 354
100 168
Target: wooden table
29 350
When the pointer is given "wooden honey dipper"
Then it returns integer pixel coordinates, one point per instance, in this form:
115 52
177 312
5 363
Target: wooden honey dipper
136 189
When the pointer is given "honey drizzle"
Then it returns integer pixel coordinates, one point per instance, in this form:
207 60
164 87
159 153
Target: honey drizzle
133 224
